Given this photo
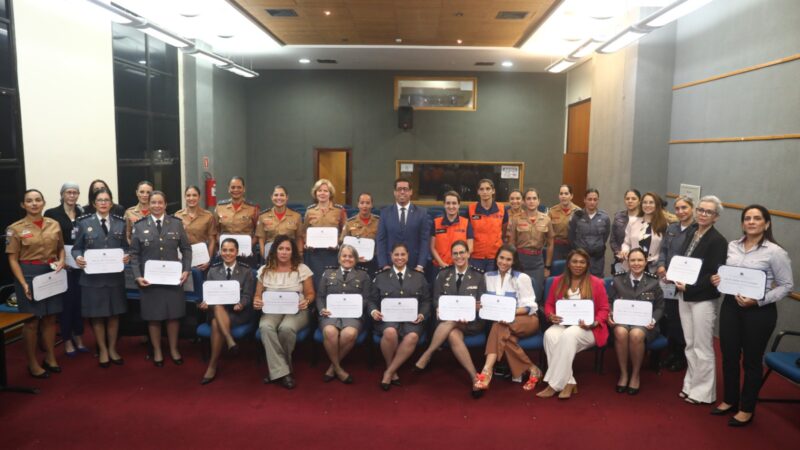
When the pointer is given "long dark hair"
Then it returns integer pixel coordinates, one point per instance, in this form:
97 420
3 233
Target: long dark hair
93 193
658 223
767 219
566 279
516 264
272 256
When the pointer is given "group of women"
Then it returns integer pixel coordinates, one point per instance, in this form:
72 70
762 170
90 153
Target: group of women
496 250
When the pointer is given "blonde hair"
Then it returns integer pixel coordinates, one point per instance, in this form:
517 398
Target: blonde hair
319 184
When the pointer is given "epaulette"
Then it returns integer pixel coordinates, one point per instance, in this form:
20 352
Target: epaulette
332 267
651 275
477 269
621 272
115 216
224 202
142 219
312 206
264 211
243 264
361 268
85 216
219 263
248 202
385 269
579 213
336 205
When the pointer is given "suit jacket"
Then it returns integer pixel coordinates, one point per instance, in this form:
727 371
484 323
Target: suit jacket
332 282
241 273
713 250
386 285
600 307
416 234
648 290
147 243
92 237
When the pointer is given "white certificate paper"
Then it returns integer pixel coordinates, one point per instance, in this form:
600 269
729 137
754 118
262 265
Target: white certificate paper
322 237
107 260
200 254
69 260
244 240
669 290
223 292
364 246
457 307
683 269
633 312
750 283
276 302
498 308
49 284
573 311
345 306
163 272
399 309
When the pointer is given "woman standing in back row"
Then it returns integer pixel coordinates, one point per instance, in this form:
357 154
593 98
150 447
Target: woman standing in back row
560 215
142 209
489 221
199 223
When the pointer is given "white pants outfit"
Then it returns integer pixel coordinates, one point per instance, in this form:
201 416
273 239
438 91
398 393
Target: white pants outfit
561 344
698 319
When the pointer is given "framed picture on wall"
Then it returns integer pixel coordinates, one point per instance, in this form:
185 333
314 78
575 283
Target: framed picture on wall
436 93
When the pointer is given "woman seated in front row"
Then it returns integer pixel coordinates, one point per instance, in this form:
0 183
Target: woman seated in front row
458 279
629 340
339 334
399 339
562 343
509 281
224 317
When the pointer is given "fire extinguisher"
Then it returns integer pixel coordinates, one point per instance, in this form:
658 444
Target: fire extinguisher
211 190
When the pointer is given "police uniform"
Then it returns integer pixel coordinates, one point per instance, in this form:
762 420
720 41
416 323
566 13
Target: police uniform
472 284
269 226
200 228
102 295
647 289
133 215
160 302
387 285
242 273
529 234
591 234
489 228
36 248
560 220
445 232
318 259
333 281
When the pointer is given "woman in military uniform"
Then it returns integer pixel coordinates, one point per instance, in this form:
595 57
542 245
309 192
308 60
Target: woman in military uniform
278 220
199 223
142 209
458 279
236 215
340 334
560 214
159 237
515 209
529 234
363 225
35 246
399 339
103 295
323 213
629 340
223 317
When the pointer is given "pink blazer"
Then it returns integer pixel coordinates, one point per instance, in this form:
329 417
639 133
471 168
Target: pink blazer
600 307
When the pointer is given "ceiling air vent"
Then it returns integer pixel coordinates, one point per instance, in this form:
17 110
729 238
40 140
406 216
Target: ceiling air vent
281 12
326 61
484 63
511 15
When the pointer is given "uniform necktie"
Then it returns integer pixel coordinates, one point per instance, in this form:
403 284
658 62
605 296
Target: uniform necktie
400 277
402 216
229 275
346 273
458 281
105 227
158 225
635 284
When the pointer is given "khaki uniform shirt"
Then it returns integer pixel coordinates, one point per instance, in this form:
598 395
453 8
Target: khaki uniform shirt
269 226
511 217
355 227
233 221
531 232
132 215
335 216
32 243
199 228
561 220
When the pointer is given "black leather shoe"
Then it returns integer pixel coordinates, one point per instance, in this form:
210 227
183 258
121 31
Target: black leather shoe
477 393
396 383
42 376
117 362
205 380
386 386
724 412
632 391
348 380
328 378
738 424
287 382
158 363
177 362
104 365
621 389
49 368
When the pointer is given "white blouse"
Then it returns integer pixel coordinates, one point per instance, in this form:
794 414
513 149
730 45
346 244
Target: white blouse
285 281
514 284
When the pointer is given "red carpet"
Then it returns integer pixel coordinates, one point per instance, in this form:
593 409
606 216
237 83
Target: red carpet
140 406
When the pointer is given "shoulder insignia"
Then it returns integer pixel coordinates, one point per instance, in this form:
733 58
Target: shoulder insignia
227 201
651 275
616 274
361 268
579 213
142 219
245 265
477 269
336 205
311 206
386 269
217 264
85 216
248 202
331 267
264 211
117 217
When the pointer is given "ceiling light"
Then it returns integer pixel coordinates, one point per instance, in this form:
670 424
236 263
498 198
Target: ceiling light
673 12
398 40
560 65
459 41
586 49
164 35
507 64
327 13
304 61
116 14
241 71
141 61
625 38
213 58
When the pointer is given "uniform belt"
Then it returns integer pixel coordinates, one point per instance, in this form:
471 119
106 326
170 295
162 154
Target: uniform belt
560 241
529 252
36 262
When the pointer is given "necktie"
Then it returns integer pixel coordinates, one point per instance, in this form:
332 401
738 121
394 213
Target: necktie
228 277
346 273
403 217
400 277
105 227
635 284
158 225
458 281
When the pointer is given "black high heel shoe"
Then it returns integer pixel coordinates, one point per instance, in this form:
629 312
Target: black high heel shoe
42 376
51 369
178 361
724 412
734 422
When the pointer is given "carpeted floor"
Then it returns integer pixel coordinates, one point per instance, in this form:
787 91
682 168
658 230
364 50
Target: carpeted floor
140 406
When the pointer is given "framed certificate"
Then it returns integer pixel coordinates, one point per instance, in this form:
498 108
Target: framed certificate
573 311
107 260
750 283
364 246
399 309
322 237
345 306
278 302
244 240
49 284
457 307
683 269
163 272
224 292
498 308
200 254
633 312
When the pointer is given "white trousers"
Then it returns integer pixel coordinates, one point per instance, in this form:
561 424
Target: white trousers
697 320
561 344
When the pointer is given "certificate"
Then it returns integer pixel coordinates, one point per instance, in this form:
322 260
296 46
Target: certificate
399 309
573 311
107 260
322 237
457 307
750 283
244 240
364 246
49 284
345 306
200 254
163 272
498 308
683 269
669 290
69 260
633 312
224 292
277 302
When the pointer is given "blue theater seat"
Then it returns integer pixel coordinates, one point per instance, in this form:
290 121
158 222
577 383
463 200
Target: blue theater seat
784 363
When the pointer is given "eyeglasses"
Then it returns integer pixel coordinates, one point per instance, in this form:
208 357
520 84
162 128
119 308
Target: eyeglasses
402 189
461 253
705 212
104 200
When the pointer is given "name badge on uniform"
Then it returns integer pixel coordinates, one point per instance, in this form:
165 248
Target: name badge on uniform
441 231
476 217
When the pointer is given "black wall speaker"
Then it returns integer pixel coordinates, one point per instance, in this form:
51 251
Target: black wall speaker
405 116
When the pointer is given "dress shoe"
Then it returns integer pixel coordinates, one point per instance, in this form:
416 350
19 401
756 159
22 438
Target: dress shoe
621 389
206 380
632 391
41 376
567 392
396 383
83 350
287 382
477 393
104 365
733 422
158 363
328 378
234 350
724 412
117 362
49 368
177 361
346 380
385 386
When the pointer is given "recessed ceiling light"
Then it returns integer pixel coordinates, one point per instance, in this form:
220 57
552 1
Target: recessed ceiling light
141 61
304 61
459 41
398 40
327 13
507 63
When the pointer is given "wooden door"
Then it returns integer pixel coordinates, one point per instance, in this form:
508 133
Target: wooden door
334 164
576 160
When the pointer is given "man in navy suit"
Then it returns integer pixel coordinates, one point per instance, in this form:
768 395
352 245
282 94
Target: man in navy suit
407 223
